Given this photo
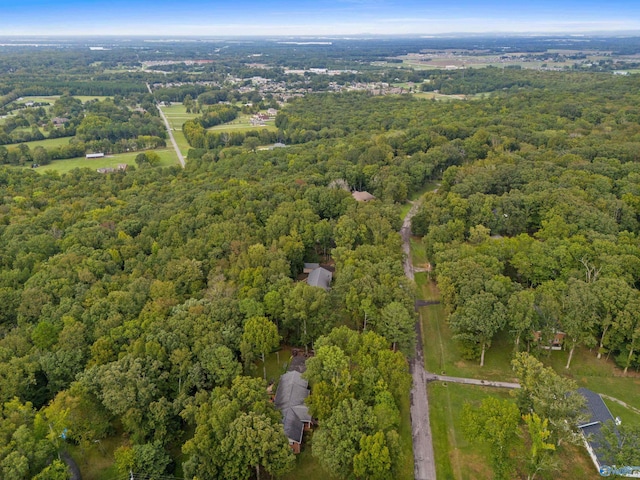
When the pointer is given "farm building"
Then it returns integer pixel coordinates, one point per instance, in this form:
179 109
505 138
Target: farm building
290 396
95 155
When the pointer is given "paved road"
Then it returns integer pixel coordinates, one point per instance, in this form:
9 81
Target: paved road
169 131
424 461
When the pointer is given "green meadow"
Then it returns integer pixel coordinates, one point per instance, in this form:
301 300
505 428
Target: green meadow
167 158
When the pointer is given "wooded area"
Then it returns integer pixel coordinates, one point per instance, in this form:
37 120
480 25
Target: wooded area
141 305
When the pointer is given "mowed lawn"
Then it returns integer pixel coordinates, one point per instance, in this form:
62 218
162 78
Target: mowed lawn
167 158
459 458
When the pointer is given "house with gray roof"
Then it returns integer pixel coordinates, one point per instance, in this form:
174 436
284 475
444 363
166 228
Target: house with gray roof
320 277
310 267
597 414
290 396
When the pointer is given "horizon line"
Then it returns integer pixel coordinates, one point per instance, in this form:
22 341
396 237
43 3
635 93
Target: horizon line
599 32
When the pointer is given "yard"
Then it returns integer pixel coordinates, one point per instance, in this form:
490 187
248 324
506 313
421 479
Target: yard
455 458
461 459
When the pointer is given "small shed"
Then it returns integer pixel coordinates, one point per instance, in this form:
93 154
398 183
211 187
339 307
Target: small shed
320 277
290 396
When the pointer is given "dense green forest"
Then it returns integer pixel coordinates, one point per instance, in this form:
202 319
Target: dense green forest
131 302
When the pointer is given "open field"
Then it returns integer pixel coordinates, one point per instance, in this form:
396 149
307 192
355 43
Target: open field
167 158
243 123
177 115
52 98
46 143
443 355
439 96
183 145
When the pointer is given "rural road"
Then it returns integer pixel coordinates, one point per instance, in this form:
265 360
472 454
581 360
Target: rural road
424 460
169 131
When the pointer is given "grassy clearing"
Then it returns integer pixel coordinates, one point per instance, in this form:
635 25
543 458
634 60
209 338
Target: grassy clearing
52 98
406 469
307 467
439 96
442 353
183 145
47 143
418 253
404 209
458 458
167 158
97 463
243 122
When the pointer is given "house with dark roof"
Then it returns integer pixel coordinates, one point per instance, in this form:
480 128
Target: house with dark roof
310 267
320 277
597 414
290 396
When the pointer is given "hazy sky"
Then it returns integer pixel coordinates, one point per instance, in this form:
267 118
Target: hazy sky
313 17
